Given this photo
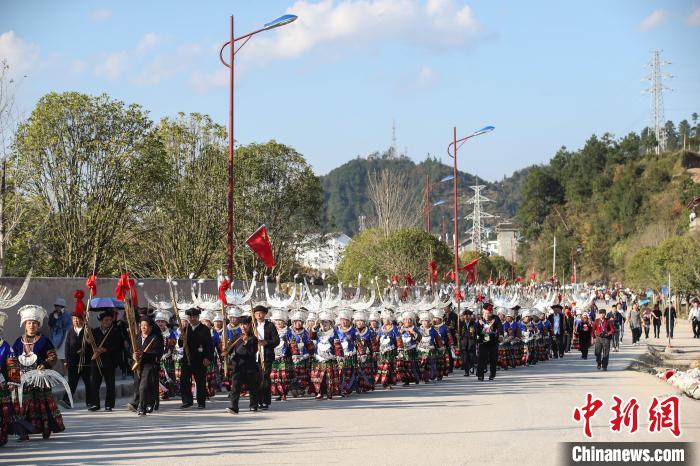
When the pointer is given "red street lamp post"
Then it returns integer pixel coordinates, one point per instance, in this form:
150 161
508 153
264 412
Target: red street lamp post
456 144
281 21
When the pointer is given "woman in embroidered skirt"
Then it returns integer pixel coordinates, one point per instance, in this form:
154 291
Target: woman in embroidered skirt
388 349
10 410
407 357
325 375
281 374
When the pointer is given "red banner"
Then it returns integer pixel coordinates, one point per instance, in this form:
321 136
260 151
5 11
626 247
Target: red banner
259 242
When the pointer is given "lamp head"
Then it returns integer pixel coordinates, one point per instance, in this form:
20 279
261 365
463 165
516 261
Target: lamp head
281 21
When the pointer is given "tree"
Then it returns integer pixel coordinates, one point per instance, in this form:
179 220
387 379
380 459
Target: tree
186 226
405 251
92 167
395 205
273 185
540 191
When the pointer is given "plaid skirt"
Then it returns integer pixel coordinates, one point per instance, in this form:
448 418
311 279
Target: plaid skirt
300 377
442 362
280 376
328 371
10 411
169 386
503 350
213 379
407 366
40 409
386 368
542 350
348 371
428 364
530 355
574 341
517 352
365 372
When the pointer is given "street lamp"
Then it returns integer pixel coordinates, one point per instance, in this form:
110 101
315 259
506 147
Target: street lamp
281 21
428 188
456 144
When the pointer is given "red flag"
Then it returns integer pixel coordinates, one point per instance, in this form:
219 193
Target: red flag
458 295
533 277
471 265
520 279
133 293
432 265
91 284
498 281
222 291
394 280
450 274
409 280
571 279
122 287
79 304
259 242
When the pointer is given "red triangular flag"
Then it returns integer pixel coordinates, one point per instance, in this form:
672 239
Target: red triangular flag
471 265
259 242
409 280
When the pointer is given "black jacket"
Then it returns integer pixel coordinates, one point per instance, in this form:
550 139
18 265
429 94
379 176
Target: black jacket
199 345
469 333
155 349
113 343
562 323
494 330
271 339
74 343
243 358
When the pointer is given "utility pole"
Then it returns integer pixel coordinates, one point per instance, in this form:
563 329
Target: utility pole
657 88
554 259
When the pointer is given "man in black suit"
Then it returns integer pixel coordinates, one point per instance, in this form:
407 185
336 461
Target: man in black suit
76 359
244 366
149 350
467 342
109 344
268 338
558 326
198 353
490 329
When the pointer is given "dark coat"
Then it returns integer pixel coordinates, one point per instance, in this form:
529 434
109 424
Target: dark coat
243 358
562 323
495 329
199 345
155 349
469 333
74 343
113 343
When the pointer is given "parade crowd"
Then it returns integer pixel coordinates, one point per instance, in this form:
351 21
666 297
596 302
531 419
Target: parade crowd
274 354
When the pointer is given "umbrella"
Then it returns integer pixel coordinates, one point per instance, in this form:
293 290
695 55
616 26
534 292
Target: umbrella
102 303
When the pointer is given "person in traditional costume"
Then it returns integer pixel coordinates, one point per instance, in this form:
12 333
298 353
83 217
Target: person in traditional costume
510 340
244 366
428 348
347 334
503 342
568 328
467 342
76 358
325 375
213 319
448 352
10 411
109 348
268 339
541 347
388 349
407 357
365 353
375 321
301 347
281 374
575 338
35 353
149 349
166 373
528 331
490 328
233 315
584 332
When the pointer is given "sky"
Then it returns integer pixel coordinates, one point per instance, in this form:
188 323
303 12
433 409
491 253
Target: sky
546 74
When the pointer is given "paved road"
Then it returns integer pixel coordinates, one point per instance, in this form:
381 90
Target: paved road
518 418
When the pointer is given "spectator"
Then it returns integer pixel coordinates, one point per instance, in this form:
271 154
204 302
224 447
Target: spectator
694 317
603 331
59 324
670 320
635 321
646 320
656 320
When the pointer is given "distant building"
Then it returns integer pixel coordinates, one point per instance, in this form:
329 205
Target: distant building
507 239
492 247
325 255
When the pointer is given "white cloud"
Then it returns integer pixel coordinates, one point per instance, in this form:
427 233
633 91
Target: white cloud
148 41
163 66
436 23
101 15
655 19
112 66
694 18
20 55
426 76
203 82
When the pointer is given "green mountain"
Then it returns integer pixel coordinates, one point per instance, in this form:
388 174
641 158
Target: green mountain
345 191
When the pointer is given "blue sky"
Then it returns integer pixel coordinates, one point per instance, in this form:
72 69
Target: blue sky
545 73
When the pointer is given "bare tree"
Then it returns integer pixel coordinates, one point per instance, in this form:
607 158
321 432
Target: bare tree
395 203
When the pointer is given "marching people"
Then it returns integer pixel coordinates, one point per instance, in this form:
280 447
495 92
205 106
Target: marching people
146 356
347 335
325 374
467 342
603 331
388 349
198 352
365 346
569 321
584 331
76 359
281 373
167 377
694 317
35 351
268 339
242 354
489 328
407 357
558 329
301 347
428 346
109 346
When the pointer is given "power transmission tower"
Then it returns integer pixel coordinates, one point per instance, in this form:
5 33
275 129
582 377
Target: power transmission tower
477 231
361 221
657 88
393 139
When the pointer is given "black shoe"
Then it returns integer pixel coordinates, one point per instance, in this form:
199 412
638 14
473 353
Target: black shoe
186 405
491 377
605 368
480 378
599 366
149 409
108 408
265 406
131 407
141 413
254 409
466 374
232 410
201 406
94 408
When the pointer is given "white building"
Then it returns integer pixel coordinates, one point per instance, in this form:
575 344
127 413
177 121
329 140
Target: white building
325 256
